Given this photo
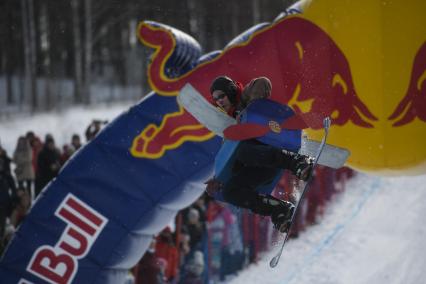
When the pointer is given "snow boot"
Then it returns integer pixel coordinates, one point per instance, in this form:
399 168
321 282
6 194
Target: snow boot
279 210
281 220
301 166
304 167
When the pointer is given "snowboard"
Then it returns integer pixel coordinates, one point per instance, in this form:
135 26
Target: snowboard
320 150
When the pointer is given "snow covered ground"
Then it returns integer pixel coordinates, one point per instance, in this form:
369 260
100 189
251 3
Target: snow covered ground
372 233
61 124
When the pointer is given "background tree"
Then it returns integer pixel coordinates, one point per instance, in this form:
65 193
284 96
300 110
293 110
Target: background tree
57 53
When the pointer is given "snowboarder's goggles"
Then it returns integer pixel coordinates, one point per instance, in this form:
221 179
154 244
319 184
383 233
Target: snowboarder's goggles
219 97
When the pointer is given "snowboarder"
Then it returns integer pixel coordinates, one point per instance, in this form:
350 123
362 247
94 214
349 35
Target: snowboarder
256 163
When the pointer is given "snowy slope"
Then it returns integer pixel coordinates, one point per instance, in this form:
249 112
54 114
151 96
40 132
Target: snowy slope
373 233
61 124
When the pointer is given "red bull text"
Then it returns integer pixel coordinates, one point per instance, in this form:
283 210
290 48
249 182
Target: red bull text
59 264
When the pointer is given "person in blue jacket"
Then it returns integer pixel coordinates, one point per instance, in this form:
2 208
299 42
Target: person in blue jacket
256 163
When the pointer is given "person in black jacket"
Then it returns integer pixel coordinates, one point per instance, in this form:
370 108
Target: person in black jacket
8 196
256 163
49 164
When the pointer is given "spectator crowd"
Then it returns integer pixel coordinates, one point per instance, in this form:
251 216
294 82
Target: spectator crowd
208 242
23 174
211 242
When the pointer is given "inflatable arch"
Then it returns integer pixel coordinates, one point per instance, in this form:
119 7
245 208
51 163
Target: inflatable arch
96 219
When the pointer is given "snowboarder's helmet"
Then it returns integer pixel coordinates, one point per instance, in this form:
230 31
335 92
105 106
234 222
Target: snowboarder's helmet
228 86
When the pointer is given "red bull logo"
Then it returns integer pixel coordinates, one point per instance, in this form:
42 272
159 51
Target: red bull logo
306 68
388 70
175 129
414 103
59 264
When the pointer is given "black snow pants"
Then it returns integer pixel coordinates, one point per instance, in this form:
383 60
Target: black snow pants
256 164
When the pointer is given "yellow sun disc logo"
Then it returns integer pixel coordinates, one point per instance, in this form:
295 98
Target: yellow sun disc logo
274 126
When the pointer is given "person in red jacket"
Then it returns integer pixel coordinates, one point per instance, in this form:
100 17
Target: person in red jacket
256 162
166 249
149 270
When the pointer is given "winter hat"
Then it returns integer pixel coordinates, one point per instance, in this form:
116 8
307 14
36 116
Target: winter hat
232 89
193 216
49 138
